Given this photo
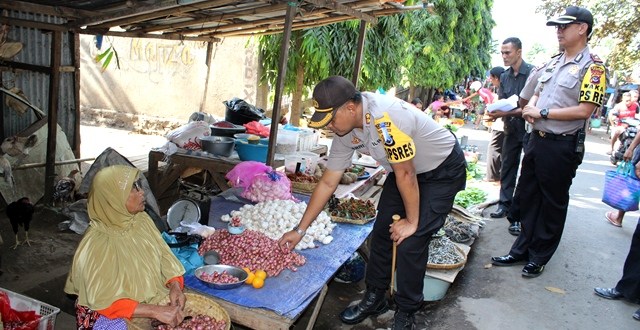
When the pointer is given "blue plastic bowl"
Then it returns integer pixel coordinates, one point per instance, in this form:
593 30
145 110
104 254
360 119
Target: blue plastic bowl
255 152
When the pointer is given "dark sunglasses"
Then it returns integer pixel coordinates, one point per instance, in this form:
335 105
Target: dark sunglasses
564 26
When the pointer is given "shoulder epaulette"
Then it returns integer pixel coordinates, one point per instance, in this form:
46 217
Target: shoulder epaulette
556 55
536 68
595 58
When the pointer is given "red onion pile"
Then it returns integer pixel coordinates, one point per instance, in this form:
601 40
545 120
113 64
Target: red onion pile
197 322
251 249
220 278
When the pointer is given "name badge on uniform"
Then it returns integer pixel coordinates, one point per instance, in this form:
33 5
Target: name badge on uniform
574 69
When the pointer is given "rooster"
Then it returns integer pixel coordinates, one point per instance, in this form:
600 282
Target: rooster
20 213
65 188
16 146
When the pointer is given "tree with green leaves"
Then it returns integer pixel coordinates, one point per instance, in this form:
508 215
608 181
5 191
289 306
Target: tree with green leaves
613 20
416 47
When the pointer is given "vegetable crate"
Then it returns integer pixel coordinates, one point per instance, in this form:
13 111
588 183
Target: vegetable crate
47 312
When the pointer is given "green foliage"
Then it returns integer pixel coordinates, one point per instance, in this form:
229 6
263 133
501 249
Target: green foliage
614 20
107 56
474 171
470 196
429 50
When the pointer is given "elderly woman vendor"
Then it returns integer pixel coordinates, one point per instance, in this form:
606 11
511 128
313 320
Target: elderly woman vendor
122 267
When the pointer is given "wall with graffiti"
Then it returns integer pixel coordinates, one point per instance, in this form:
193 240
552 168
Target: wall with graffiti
165 78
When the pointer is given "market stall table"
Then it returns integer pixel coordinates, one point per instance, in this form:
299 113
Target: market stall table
283 298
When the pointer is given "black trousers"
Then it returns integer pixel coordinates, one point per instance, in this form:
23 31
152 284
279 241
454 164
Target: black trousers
629 284
438 188
511 150
548 169
514 211
494 155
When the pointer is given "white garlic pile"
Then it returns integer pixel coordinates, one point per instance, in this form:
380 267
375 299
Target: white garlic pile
274 218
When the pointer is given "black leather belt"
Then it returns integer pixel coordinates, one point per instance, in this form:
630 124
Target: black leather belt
551 136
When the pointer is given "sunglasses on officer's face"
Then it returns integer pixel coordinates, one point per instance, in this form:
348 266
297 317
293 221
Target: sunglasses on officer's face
564 26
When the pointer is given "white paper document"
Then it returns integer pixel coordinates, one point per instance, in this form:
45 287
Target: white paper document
504 104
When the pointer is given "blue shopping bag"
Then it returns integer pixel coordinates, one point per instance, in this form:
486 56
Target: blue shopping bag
622 188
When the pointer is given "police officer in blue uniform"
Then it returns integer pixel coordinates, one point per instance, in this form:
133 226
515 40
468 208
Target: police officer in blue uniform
570 88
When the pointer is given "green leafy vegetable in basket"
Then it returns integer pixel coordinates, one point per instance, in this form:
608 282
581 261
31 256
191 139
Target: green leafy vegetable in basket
451 127
470 196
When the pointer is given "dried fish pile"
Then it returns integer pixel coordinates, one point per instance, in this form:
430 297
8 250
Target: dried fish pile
442 251
459 231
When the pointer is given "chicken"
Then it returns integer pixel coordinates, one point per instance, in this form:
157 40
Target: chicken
20 213
16 146
65 188
7 171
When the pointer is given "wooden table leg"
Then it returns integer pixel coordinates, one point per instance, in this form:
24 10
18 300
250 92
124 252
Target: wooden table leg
318 305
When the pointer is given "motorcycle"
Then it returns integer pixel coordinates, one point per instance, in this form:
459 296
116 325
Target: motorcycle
625 138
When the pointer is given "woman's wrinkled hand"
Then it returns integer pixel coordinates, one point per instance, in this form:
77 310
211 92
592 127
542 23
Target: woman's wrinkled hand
176 296
402 229
628 155
171 315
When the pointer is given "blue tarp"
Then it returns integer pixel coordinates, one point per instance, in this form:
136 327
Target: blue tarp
289 293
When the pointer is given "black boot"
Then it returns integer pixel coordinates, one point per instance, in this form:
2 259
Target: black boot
403 321
373 303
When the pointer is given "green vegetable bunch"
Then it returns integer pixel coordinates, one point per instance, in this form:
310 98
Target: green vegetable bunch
451 127
470 196
474 171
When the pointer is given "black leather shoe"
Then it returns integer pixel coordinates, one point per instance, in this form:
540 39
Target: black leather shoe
636 315
373 303
532 270
403 321
608 293
515 228
499 213
507 260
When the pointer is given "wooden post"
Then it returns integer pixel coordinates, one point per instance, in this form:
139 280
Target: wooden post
282 72
206 82
52 115
358 64
75 37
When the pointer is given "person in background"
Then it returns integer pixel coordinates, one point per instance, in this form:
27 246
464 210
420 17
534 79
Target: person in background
426 169
417 102
572 85
631 154
511 83
634 99
494 160
628 286
122 267
625 109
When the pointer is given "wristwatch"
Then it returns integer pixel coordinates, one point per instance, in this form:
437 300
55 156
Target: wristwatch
299 231
544 113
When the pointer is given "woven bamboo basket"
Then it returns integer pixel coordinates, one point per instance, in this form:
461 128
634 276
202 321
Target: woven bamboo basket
303 187
352 221
450 266
196 304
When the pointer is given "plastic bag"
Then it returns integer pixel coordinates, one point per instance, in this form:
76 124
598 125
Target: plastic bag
244 108
188 136
195 228
242 174
256 128
621 188
268 186
187 255
17 320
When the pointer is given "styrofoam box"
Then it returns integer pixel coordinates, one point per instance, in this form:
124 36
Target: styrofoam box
434 288
47 312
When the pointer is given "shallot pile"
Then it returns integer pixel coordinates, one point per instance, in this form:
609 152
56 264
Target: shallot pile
253 250
274 218
220 278
199 322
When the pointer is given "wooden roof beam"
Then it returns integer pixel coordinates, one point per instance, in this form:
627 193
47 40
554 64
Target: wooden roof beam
119 21
134 11
260 30
32 24
217 17
344 9
60 11
136 34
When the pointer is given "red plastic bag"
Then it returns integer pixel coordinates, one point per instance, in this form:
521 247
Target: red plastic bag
242 174
256 128
17 320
